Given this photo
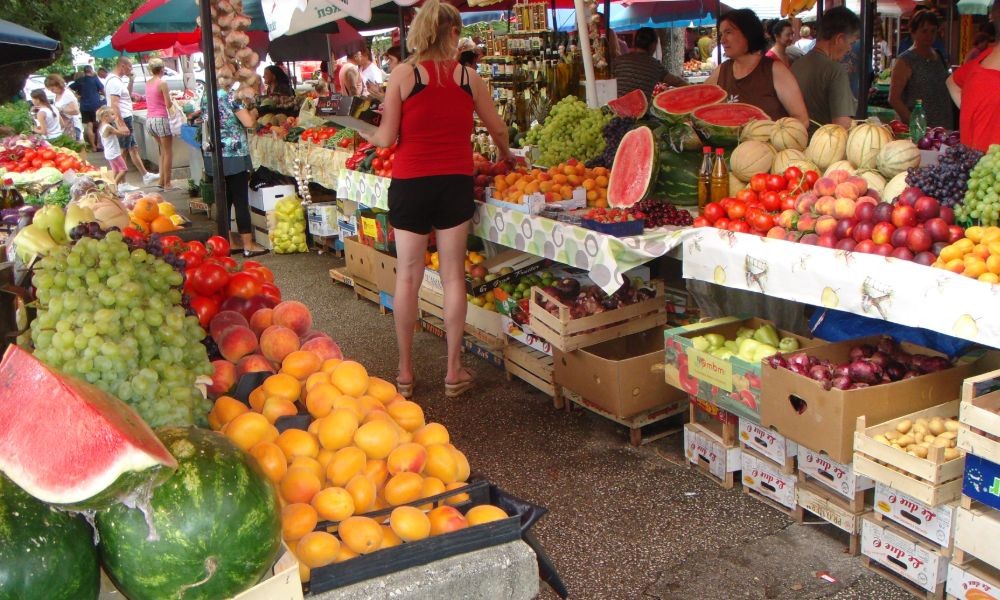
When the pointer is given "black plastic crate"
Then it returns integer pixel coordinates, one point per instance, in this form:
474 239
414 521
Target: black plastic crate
622 229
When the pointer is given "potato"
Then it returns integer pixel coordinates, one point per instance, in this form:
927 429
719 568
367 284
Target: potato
949 435
921 421
905 440
951 425
952 453
904 426
929 438
936 426
920 451
880 439
891 435
924 444
919 430
941 442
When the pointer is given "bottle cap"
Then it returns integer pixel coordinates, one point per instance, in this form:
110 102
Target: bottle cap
719 151
706 149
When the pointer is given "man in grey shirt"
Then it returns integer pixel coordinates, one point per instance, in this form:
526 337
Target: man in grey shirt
825 85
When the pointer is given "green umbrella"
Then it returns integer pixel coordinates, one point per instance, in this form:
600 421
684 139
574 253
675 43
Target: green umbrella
974 7
178 16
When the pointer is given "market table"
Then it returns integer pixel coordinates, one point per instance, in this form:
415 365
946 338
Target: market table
278 155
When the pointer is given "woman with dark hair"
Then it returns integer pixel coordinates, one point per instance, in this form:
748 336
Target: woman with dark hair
920 73
276 82
749 75
781 32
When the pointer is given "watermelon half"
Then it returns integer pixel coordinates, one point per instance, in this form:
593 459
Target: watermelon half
720 124
634 168
69 443
632 104
676 104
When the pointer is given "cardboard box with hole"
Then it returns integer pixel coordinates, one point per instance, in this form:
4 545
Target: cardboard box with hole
618 375
824 420
361 260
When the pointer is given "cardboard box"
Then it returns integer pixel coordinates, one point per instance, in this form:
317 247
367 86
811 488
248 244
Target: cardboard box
768 443
903 554
265 198
766 478
385 272
617 376
699 447
322 219
524 334
839 477
520 263
361 260
535 203
972 581
734 384
824 420
936 523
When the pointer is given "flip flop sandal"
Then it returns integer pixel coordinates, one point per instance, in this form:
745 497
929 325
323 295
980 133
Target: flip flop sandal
250 253
404 389
453 390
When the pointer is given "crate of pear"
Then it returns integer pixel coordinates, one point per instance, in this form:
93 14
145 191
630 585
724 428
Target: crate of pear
520 289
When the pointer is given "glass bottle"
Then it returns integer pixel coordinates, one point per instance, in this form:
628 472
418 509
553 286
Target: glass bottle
918 122
719 183
705 179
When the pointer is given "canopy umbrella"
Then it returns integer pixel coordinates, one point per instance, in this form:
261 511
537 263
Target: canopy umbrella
316 45
287 17
20 44
180 15
658 14
126 39
104 49
975 7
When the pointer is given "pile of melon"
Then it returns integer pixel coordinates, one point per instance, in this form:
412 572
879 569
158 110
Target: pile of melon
867 150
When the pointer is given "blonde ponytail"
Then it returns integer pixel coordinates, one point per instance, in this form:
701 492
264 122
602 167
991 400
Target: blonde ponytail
428 37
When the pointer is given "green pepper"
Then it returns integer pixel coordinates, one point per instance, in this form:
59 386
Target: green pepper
763 351
788 344
716 340
747 349
700 343
767 334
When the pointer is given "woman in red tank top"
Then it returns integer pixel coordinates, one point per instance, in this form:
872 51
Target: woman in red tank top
428 110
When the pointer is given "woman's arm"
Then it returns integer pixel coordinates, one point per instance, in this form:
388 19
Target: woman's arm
955 90
713 79
388 130
42 126
900 77
789 93
248 117
487 112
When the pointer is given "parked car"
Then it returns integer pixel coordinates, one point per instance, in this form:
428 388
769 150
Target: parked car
36 82
174 79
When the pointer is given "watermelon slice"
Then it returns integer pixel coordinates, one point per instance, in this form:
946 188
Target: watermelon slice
69 443
720 124
675 105
634 168
632 104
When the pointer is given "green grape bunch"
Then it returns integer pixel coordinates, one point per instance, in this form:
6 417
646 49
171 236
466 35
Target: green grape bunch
570 131
113 318
982 199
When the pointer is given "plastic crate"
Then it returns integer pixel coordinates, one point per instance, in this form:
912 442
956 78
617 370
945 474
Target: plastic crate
622 229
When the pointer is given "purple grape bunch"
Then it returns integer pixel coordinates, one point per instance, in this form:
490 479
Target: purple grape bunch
948 180
613 133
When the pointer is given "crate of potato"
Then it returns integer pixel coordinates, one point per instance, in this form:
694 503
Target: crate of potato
979 431
915 454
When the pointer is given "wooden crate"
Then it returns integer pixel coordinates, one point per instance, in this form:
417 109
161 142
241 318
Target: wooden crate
974 576
932 480
432 303
532 366
934 523
909 553
721 424
568 334
368 291
832 508
977 533
979 416
706 451
470 345
640 426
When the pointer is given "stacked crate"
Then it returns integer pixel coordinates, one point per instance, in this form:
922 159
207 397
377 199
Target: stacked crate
711 442
768 467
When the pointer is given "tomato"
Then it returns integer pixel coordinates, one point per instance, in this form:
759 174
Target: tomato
771 201
713 211
794 185
269 290
37 163
383 153
377 164
761 222
740 226
746 195
251 264
793 173
776 183
787 202
172 244
263 274
191 259
810 179
758 182
29 155
701 222
204 307
737 209
209 278
228 263
242 285
722 223
217 246
47 154
197 247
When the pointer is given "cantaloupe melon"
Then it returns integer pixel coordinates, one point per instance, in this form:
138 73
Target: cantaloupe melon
784 159
751 157
789 134
896 157
864 142
827 146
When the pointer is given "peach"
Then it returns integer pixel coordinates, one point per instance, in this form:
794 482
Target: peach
777 232
806 223
844 208
323 347
261 320
253 363
805 204
223 377
826 224
868 199
787 218
313 333
792 236
236 342
847 190
860 184
445 519
277 342
838 176
293 315
824 206
825 186
223 321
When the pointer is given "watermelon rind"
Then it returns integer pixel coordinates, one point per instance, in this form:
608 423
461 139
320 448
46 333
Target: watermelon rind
213 528
70 443
45 553
676 104
633 104
678 138
633 173
677 179
720 124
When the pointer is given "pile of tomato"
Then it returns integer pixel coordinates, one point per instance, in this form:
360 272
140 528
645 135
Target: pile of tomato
753 209
22 159
318 135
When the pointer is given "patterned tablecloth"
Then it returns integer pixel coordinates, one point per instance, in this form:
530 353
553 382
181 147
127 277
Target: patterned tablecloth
874 286
279 155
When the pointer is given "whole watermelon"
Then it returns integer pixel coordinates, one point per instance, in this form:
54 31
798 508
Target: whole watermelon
213 529
45 554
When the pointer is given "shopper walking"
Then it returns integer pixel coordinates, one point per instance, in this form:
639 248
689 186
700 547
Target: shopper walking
429 109
109 131
159 108
90 90
120 99
920 74
46 121
66 106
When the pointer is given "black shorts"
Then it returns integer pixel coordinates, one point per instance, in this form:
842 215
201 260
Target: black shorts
89 116
438 202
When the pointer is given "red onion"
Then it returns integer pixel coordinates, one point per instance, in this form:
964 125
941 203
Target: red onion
819 372
895 371
865 372
841 371
936 363
858 385
879 358
801 359
887 345
841 383
776 360
909 375
798 369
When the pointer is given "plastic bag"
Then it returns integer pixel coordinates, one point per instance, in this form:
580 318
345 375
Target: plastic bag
837 325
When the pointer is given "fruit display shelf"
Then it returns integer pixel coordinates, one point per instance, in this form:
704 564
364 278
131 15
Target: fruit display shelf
874 286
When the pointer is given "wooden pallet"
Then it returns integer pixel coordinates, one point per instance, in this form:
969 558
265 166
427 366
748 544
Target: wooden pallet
641 426
534 367
369 291
715 448
471 345
341 276
856 503
906 584
977 531
823 503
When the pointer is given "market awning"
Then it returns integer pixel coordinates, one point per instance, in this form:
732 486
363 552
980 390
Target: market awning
19 44
103 49
658 14
287 17
316 45
180 15
126 39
